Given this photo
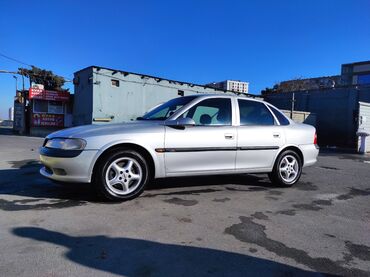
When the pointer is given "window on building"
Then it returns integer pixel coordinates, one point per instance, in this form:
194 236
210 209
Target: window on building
254 113
115 83
56 107
363 79
214 111
52 107
40 106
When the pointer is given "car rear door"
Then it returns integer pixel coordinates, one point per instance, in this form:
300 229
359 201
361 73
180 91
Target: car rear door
259 136
209 146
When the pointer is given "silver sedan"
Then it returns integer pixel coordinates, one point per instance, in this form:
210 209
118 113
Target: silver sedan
186 136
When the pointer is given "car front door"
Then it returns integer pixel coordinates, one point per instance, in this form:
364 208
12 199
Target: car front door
209 146
259 136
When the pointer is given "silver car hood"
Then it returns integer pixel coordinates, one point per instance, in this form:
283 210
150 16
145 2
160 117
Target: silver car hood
107 129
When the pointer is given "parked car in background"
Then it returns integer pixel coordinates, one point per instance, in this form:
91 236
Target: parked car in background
186 136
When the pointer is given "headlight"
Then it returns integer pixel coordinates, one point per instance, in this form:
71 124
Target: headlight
66 143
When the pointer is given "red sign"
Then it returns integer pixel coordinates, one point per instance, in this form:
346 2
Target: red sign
36 93
47 120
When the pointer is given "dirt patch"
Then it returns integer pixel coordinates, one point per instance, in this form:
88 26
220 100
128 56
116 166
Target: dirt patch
354 192
181 202
308 207
329 167
184 219
271 198
260 215
275 192
248 189
222 200
25 164
290 212
323 202
306 186
359 251
185 192
15 205
250 232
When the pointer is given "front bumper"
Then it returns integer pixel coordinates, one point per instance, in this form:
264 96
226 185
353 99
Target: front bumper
68 169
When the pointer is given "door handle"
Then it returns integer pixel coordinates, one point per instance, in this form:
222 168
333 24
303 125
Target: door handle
276 135
229 136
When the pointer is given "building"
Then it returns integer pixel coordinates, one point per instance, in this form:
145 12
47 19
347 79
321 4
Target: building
341 107
300 84
231 85
39 112
11 113
352 74
104 95
357 74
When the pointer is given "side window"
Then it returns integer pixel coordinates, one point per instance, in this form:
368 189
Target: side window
213 111
254 113
282 119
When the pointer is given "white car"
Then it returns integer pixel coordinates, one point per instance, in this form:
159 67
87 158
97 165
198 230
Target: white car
187 136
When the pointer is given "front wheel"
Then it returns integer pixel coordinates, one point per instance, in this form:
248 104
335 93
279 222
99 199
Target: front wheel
287 169
121 175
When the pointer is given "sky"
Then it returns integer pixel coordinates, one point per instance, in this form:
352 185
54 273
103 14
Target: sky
262 42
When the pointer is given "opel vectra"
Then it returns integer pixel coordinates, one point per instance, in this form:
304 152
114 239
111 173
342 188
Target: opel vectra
186 136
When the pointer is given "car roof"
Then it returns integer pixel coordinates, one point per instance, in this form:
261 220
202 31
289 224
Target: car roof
212 95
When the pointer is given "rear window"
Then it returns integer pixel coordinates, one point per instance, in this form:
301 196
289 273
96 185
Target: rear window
280 117
254 113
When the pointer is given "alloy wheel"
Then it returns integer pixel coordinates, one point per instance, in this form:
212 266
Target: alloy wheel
289 168
123 175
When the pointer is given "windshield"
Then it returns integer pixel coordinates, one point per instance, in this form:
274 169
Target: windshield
167 109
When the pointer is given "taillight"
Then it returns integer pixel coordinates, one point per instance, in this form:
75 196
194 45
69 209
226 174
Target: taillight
315 139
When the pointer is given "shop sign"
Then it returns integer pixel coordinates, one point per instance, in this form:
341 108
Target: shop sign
37 93
47 120
18 117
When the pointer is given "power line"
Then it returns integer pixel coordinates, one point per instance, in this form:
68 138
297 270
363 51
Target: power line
18 61
15 60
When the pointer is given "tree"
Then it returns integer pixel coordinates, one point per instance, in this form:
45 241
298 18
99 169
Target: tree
43 77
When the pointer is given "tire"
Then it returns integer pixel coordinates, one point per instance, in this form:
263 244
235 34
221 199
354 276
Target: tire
286 172
122 174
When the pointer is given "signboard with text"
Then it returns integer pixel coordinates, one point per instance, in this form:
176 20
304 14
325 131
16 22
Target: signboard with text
19 113
37 93
47 120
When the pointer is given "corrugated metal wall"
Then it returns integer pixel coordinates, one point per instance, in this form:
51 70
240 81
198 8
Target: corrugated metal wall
336 112
96 99
83 105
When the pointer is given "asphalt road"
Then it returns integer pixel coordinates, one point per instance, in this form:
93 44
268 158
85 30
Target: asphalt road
219 226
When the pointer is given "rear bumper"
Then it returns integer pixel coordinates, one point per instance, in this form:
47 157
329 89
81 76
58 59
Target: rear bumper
69 169
310 153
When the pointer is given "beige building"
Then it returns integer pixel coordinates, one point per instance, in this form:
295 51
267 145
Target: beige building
231 85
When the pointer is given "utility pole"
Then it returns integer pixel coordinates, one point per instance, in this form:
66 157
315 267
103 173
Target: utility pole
292 106
22 79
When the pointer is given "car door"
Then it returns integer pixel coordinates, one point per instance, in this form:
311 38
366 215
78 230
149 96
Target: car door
209 146
259 136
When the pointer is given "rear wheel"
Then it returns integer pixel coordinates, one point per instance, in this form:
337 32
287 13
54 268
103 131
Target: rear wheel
121 175
287 169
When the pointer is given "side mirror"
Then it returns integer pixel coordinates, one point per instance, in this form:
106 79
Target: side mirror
181 122
185 121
